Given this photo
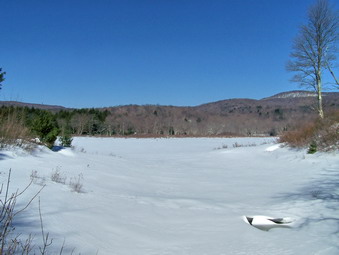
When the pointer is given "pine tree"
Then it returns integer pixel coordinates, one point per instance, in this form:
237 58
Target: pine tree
2 78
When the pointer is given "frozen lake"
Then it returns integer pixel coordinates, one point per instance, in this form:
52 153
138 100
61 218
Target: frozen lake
181 196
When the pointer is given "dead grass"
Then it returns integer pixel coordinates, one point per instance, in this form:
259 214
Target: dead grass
76 184
58 177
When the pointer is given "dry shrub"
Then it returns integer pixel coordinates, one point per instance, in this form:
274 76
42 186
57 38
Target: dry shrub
58 177
322 132
76 184
328 135
12 243
13 129
301 137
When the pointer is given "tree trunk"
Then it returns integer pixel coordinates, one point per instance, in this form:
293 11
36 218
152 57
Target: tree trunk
320 98
320 105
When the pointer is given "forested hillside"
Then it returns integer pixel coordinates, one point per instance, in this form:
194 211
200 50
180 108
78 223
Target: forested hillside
268 116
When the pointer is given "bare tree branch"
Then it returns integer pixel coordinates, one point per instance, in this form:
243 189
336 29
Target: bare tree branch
45 237
332 73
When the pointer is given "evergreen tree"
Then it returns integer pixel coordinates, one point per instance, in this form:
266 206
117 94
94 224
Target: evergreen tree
2 78
45 126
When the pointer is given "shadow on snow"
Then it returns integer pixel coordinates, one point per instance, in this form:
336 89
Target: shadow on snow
324 192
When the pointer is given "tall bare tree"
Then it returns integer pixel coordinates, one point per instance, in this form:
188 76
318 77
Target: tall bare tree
314 50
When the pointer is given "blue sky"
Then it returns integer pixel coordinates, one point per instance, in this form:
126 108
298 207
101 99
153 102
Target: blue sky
80 53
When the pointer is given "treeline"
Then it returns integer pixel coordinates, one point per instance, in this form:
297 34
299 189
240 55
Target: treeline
18 124
83 121
27 123
243 117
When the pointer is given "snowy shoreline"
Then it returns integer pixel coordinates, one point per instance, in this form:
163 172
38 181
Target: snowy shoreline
181 196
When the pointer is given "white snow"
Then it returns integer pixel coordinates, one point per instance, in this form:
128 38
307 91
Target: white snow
179 196
273 147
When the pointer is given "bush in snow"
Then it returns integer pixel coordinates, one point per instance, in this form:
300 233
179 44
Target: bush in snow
57 177
36 179
66 140
320 134
313 148
76 184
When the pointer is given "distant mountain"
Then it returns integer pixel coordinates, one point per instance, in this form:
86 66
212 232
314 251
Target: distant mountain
301 94
31 105
267 116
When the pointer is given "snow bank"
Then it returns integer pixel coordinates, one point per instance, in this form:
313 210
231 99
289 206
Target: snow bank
273 147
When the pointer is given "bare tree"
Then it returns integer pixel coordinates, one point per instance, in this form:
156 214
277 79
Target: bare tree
314 50
79 122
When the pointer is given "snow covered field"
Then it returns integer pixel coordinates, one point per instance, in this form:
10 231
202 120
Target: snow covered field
179 196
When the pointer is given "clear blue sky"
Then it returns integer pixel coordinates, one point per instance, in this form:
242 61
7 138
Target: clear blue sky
81 53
